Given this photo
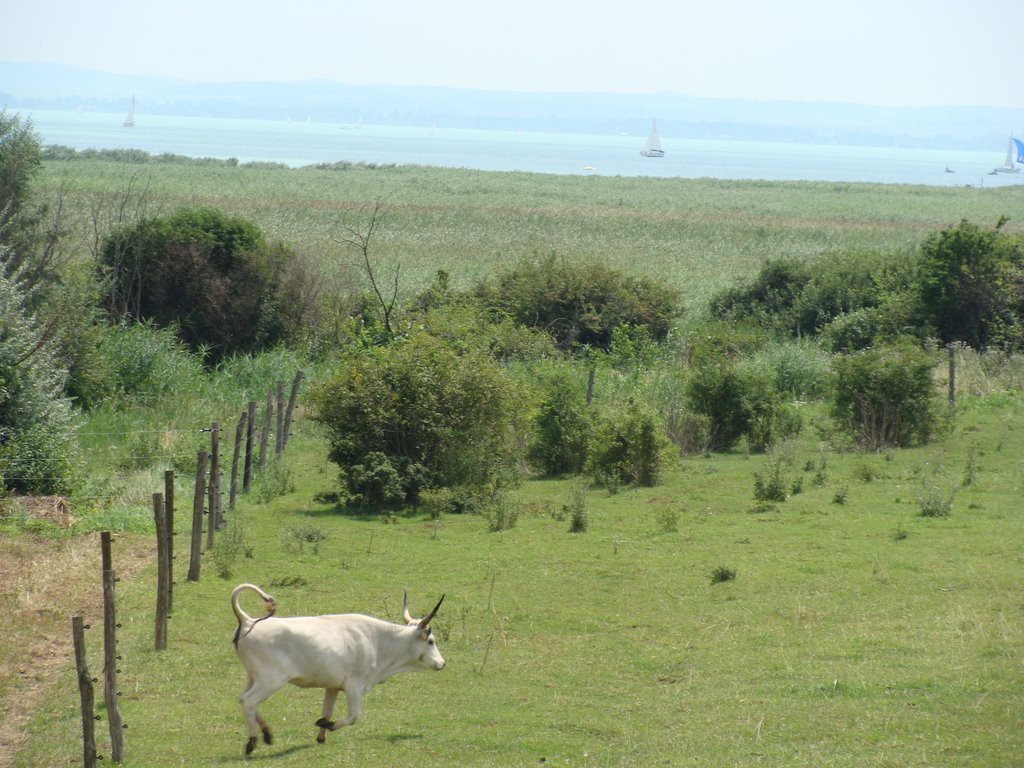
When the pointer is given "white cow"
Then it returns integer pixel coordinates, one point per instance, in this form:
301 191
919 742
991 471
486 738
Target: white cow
340 652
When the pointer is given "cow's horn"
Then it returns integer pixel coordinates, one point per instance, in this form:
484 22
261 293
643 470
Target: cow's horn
426 620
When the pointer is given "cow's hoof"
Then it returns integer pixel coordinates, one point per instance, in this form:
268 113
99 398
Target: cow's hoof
268 737
250 745
323 722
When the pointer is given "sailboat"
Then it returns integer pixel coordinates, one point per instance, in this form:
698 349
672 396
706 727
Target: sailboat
653 146
1014 152
129 119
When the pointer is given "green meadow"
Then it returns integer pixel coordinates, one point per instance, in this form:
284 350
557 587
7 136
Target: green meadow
855 631
872 618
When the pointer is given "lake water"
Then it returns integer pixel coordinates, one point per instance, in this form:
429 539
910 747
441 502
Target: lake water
307 143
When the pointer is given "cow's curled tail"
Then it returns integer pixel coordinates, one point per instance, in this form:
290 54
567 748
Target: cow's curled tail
245 621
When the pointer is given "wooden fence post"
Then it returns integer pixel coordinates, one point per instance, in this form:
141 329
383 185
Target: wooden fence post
216 513
233 487
211 508
279 436
160 519
268 413
110 692
197 517
169 510
293 398
250 431
85 693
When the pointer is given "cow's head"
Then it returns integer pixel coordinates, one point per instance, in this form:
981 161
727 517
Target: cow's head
429 657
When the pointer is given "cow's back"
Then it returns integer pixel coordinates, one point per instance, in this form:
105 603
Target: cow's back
313 651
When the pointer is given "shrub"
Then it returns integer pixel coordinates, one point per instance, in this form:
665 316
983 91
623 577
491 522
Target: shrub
295 538
375 483
717 390
628 447
769 299
274 480
798 370
580 304
722 574
228 545
885 396
667 518
578 509
210 275
690 432
853 331
934 501
739 400
502 513
419 415
563 426
771 484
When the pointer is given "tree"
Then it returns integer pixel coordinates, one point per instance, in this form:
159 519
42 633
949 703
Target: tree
20 161
30 231
969 285
37 444
211 275
361 238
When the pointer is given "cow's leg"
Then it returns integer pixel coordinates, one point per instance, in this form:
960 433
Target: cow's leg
325 722
355 706
255 693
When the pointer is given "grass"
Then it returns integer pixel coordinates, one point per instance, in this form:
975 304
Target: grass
851 634
836 644
696 234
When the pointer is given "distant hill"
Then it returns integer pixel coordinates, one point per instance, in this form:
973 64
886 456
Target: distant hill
27 86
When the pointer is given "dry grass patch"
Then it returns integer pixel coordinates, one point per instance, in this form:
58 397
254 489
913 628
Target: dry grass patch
45 581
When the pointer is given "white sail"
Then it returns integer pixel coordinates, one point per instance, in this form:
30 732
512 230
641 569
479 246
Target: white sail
129 120
1013 149
653 146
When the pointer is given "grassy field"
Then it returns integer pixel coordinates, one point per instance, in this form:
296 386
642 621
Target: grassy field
855 632
698 235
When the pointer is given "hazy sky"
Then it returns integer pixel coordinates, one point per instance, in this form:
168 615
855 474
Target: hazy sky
885 52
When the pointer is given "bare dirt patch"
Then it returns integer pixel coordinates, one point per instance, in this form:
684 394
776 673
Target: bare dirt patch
45 581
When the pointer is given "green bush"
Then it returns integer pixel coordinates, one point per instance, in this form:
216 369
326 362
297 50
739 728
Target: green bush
578 509
717 390
210 275
375 483
563 425
423 412
885 396
628 446
853 331
770 299
795 299
771 485
580 304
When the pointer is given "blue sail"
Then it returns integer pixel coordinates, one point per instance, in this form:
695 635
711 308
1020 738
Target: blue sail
1020 150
